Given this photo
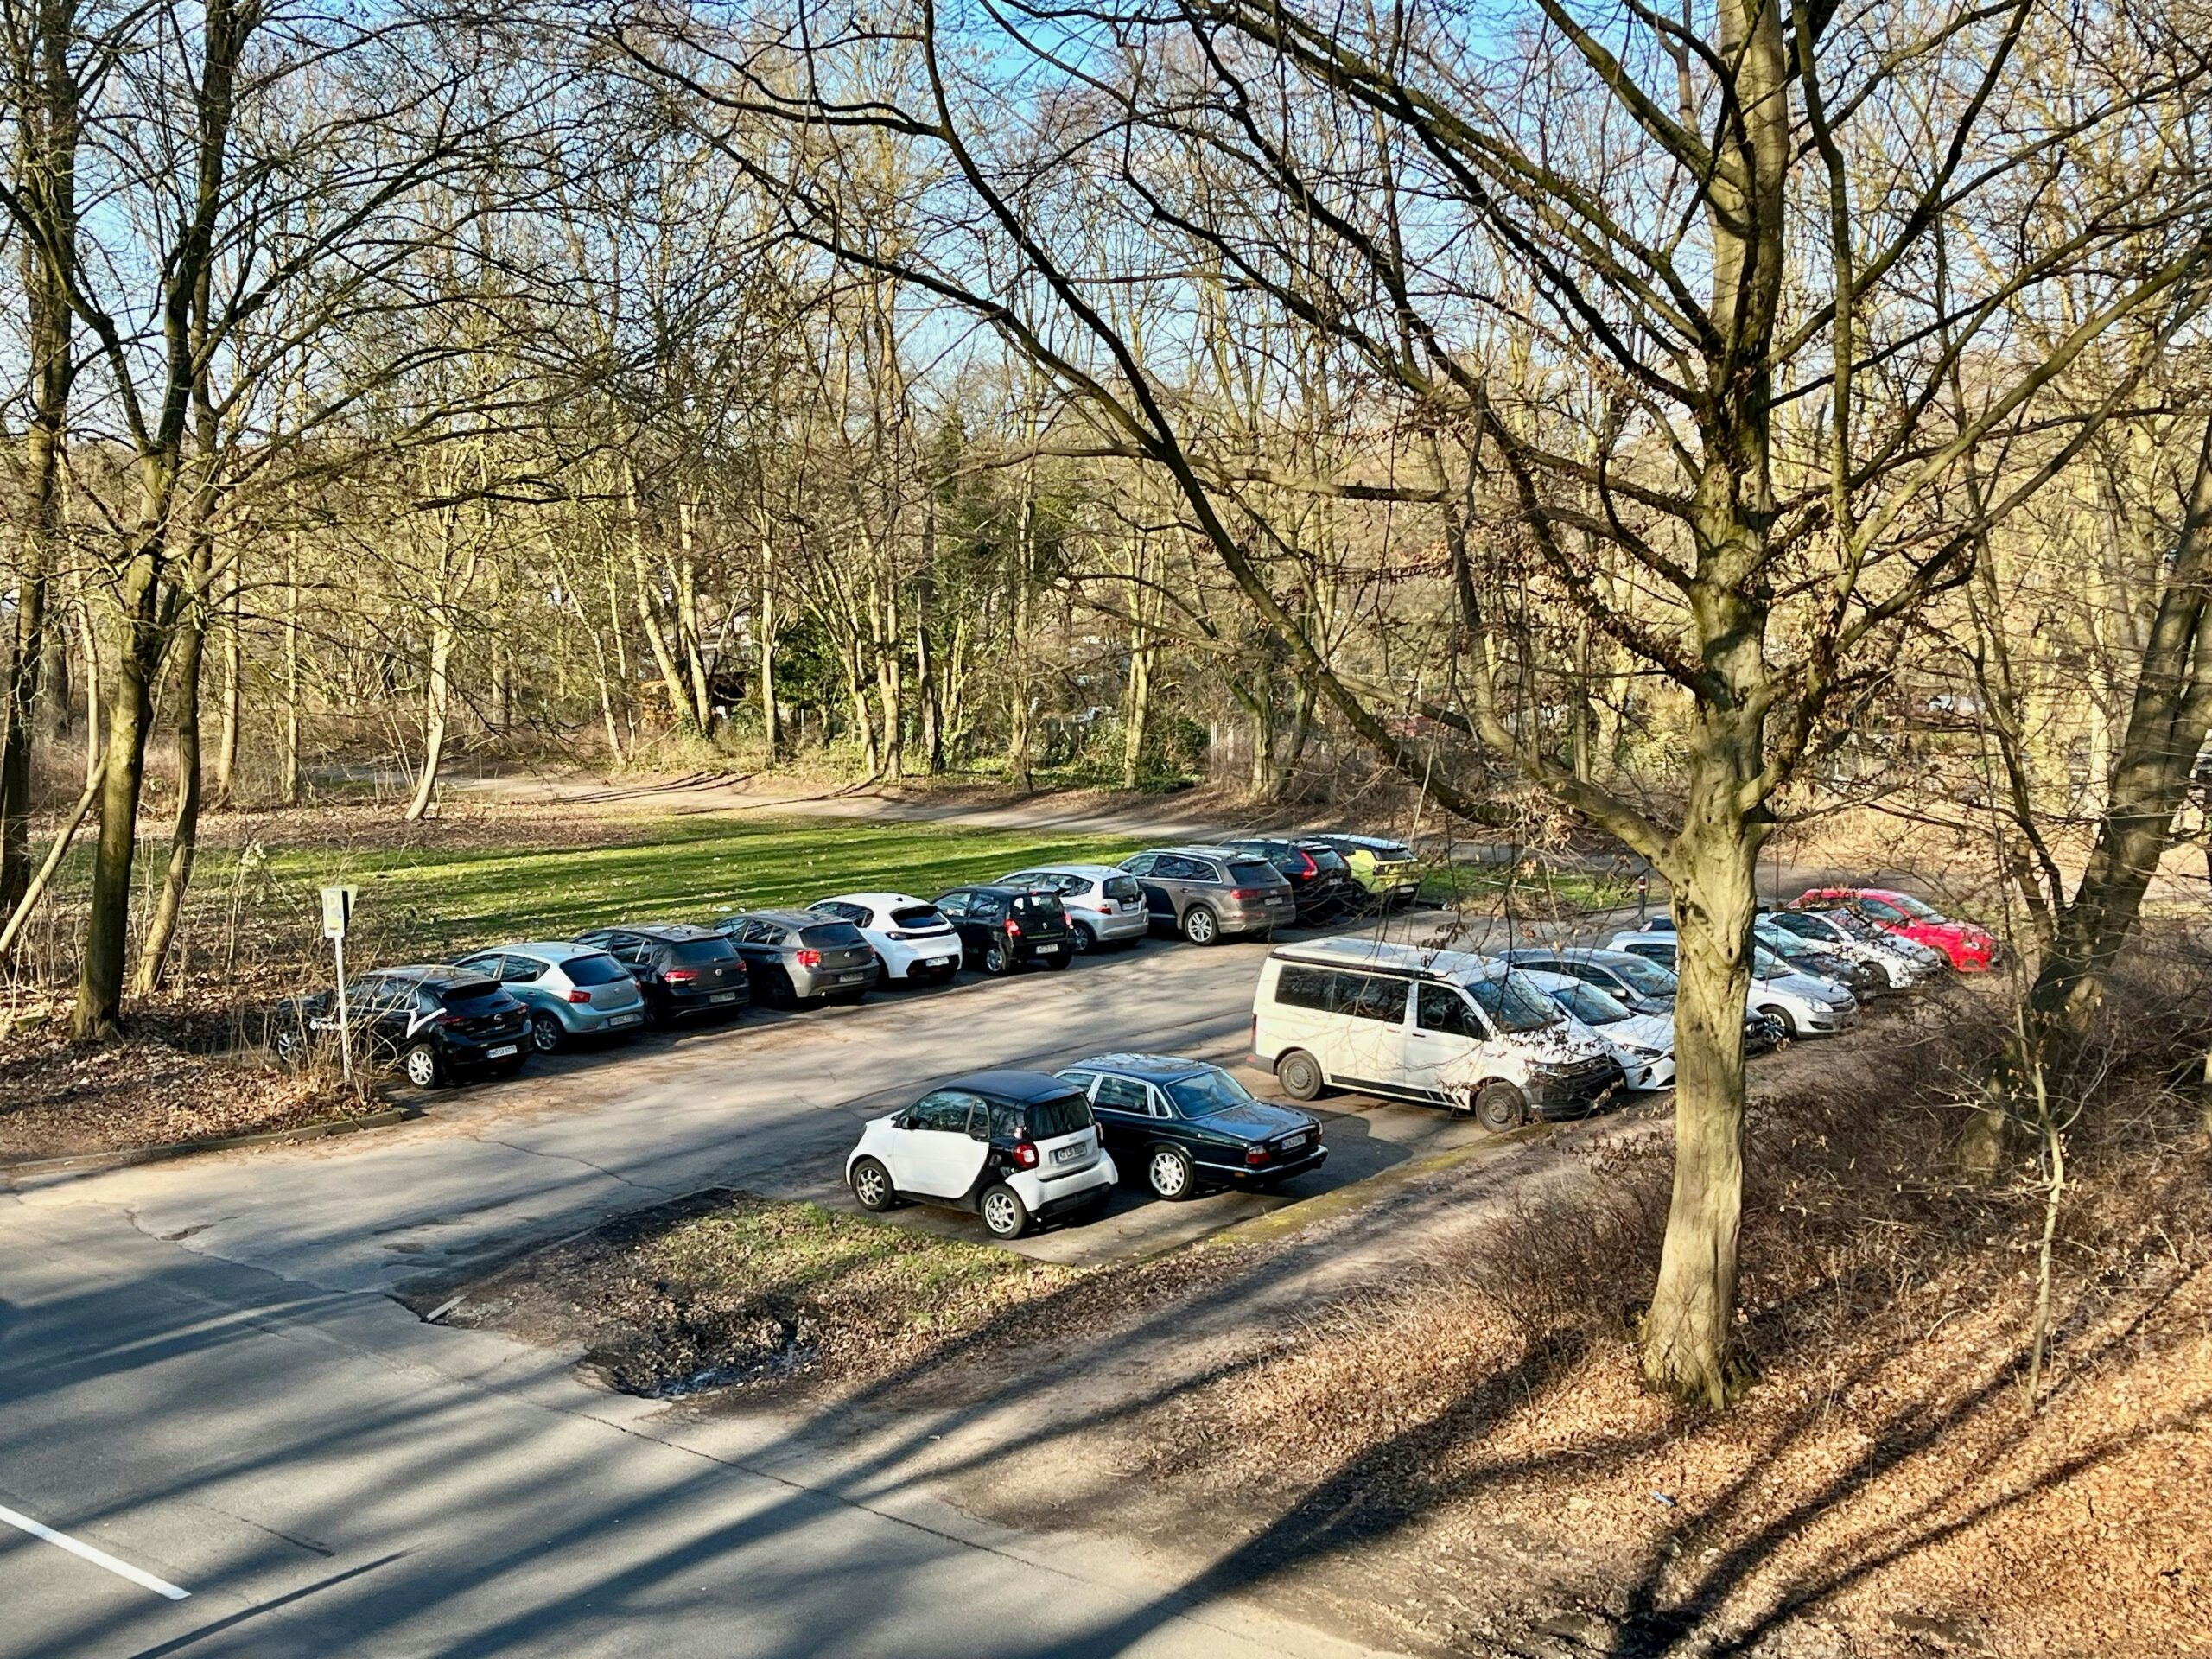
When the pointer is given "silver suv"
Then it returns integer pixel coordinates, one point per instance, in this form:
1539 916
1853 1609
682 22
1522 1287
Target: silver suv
1206 892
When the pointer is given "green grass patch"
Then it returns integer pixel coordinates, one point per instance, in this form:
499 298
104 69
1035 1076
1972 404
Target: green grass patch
1536 886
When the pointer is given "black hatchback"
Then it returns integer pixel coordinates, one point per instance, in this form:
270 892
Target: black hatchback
1189 1125
684 972
437 1023
1320 881
1004 928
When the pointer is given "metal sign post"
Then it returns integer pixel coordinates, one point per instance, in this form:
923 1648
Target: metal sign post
337 913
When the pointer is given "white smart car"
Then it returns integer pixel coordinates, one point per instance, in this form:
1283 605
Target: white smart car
914 941
1642 1043
1012 1147
1104 904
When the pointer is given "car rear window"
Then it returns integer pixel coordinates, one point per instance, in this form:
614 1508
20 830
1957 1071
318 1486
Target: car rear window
831 936
1646 976
1324 859
598 969
1123 888
1048 1119
916 916
467 992
1039 904
694 953
1257 874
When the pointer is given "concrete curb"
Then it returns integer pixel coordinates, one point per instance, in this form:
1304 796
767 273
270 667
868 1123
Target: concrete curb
91 1163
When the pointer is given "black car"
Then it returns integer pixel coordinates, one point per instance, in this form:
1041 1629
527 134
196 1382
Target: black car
1004 928
1320 881
1190 1125
686 972
437 1023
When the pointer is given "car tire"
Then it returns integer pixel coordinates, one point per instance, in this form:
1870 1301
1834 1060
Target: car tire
1500 1107
1081 937
883 975
1004 1214
782 993
547 1033
291 1048
1170 1173
420 1064
1781 1017
872 1186
996 963
1301 1076
1201 926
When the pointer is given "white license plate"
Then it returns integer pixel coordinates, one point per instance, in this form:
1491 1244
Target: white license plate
1048 950
1068 1154
506 1050
627 1020
723 997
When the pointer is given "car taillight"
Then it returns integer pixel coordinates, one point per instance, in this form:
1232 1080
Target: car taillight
447 1019
1256 1155
1307 866
1024 1155
579 996
1248 893
808 958
1012 928
680 975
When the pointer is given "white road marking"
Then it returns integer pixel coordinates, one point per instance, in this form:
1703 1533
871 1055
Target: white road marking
97 1557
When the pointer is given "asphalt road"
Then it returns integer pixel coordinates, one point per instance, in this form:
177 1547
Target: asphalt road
204 1374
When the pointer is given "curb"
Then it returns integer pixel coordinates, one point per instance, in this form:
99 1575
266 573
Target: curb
93 1162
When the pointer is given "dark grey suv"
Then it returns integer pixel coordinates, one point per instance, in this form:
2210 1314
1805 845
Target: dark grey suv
795 955
1207 892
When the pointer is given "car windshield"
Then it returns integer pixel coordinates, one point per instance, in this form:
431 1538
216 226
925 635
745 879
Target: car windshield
597 969
1513 1003
468 991
1590 1004
1254 875
831 936
916 916
1766 965
1203 1093
696 953
1850 924
1062 1114
1123 889
1917 911
1644 977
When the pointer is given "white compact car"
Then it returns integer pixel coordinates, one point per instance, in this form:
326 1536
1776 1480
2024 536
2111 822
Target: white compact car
913 943
1012 1147
1441 1026
1805 1006
1905 963
1642 1043
1105 904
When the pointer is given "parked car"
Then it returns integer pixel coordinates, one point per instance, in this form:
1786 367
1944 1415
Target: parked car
1906 962
1801 1005
1189 1125
1862 979
794 956
1320 881
1637 983
1387 872
1104 904
1643 1044
437 1023
1012 1147
912 942
686 972
1206 893
1004 928
569 990
1969 949
1440 1026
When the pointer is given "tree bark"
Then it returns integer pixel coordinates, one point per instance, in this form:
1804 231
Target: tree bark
187 651
136 627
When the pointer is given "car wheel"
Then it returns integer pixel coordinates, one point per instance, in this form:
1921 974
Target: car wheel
1081 937
882 975
1299 1073
782 993
1061 961
546 1032
420 1062
1201 926
1500 1106
1004 1214
291 1048
872 1186
1168 1172
1782 1018
996 963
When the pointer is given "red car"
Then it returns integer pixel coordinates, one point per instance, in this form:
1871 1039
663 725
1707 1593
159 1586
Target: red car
1970 948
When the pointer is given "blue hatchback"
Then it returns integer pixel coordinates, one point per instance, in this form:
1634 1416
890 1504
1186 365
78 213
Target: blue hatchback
571 990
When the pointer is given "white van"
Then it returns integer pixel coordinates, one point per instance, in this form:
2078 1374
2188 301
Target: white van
1443 1028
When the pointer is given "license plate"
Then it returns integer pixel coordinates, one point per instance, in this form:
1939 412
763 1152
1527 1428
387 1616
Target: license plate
627 1020
1068 1154
506 1050
1048 950
723 997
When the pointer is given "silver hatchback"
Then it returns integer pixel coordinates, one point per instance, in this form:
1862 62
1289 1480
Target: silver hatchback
796 956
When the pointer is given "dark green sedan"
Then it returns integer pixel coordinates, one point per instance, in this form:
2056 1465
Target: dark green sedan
1189 1126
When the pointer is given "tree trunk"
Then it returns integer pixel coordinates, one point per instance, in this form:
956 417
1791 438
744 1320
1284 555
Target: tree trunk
18 708
287 775
437 689
187 651
136 651
771 730
233 708
88 646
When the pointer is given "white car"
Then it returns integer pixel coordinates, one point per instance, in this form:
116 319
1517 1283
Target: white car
1012 1147
1642 1043
913 943
1105 904
1905 963
1805 1006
